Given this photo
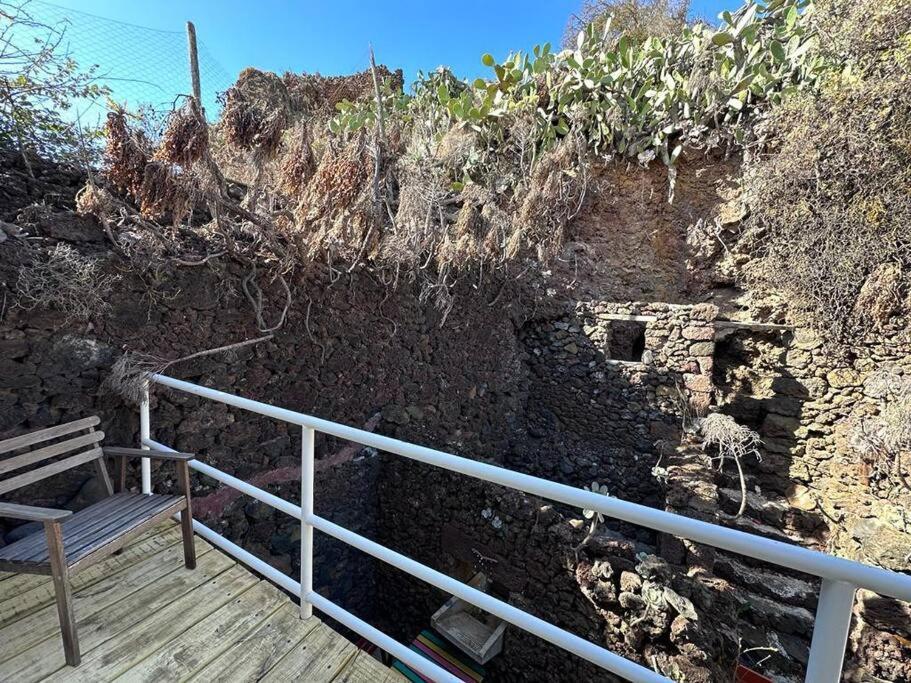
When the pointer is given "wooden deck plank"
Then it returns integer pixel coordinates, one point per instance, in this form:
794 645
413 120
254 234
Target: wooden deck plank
129 647
36 579
124 616
362 668
33 580
220 631
319 658
21 599
28 631
141 616
261 649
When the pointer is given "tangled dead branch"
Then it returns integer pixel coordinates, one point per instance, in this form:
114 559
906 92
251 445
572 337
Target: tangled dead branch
128 375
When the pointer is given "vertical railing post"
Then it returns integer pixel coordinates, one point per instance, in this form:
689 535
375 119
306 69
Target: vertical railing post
307 455
830 631
145 433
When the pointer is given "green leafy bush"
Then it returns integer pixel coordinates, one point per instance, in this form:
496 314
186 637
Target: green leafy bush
38 82
640 99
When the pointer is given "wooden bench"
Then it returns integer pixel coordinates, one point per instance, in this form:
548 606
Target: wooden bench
71 541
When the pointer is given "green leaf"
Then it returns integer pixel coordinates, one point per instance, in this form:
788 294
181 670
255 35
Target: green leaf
480 84
722 38
487 59
777 50
443 94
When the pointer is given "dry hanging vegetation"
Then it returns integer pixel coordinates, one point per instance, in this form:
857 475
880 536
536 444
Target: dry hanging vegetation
456 180
829 197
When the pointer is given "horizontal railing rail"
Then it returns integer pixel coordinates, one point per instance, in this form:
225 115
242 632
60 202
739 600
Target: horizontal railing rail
841 577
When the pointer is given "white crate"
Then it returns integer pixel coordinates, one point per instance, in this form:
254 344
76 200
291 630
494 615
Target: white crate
475 632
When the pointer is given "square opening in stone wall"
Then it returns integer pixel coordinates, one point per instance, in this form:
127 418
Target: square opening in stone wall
626 340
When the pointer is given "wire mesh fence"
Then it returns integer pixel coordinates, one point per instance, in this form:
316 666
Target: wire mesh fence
145 69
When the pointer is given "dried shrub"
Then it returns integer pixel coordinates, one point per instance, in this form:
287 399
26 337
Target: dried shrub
66 280
883 439
423 199
165 192
731 441
338 206
829 200
636 19
128 376
186 138
313 94
92 200
477 235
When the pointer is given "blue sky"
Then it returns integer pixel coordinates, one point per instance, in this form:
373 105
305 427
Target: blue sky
328 36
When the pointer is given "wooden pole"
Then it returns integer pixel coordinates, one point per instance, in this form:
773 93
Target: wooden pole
194 62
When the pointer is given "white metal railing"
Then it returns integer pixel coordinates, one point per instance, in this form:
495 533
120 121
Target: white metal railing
840 577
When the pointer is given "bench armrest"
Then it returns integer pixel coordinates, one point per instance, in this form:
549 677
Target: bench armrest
31 513
154 454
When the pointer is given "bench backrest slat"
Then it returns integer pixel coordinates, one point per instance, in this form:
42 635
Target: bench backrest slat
30 458
40 473
32 438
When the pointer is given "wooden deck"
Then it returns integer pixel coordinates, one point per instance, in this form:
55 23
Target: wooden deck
142 616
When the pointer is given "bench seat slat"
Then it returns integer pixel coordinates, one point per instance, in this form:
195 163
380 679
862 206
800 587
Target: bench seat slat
30 439
90 529
30 458
106 525
74 524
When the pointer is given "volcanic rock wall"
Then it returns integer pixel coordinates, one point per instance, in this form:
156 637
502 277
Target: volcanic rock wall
522 380
354 352
608 407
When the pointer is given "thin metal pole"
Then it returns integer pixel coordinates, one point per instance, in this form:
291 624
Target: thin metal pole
307 455
830 631
194 62
144 434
